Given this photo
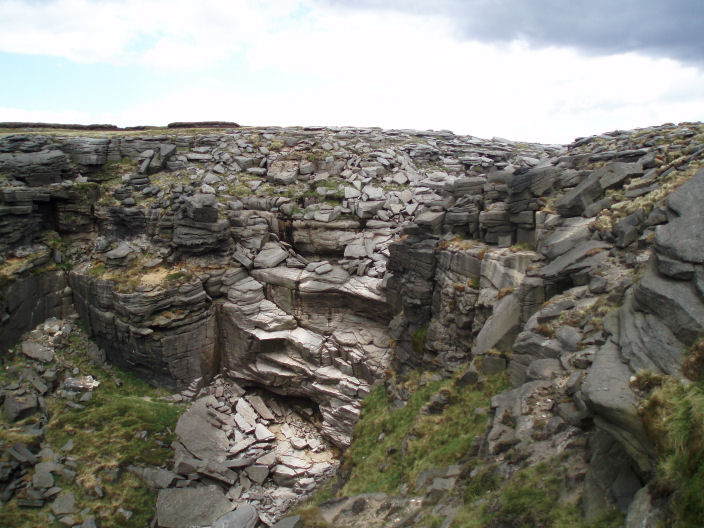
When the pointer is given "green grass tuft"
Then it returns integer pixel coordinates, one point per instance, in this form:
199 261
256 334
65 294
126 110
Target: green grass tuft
674 417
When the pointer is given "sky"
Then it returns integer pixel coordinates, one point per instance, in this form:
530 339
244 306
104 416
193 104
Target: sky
529 70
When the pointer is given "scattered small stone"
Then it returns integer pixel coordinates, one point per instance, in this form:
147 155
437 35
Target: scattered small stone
64 503
125 514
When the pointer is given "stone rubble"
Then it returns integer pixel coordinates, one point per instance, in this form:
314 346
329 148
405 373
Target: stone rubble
258 450
29 473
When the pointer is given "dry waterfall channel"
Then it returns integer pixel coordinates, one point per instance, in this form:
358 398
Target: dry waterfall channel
271 278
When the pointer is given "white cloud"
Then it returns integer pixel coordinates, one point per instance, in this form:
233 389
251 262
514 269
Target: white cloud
339 67
115 31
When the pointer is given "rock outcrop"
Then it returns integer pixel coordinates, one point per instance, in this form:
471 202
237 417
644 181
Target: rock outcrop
308 262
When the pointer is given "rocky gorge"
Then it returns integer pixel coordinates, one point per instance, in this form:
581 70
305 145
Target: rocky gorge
546 300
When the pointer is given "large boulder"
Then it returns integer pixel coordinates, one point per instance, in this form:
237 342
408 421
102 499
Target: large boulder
675 302
202 208
682 238
190 507
609 396
501 328
199 436
243 517
283 172
270 256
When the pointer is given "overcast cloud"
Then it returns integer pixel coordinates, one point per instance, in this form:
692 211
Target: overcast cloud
664 28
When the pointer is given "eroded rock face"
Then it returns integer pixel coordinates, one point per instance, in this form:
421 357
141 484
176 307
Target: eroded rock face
310 261
165 335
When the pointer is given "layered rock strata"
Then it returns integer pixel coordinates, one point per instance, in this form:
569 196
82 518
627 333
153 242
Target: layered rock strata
309 261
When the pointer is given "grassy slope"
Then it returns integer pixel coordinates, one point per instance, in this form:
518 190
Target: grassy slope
104 436
412 441
403 442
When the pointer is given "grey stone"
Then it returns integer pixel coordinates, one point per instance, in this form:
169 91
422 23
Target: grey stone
675 302
569 337
470 377
199 436
647 343
64 503
569 262
299 443
189 507
431 220
120 254
627 230
283 172
501 328
258 404
37 351
607 393
575 201
263 434
493 364
682 238
642 513
366 210
157 478
17 407
202 208
22 454
571 232
615 174
258 473
293 521
211 178
544 369
88 522
80 384
271 255
245 516
42 478
674 268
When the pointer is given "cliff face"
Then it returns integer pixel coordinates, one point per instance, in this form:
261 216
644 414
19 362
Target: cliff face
316 262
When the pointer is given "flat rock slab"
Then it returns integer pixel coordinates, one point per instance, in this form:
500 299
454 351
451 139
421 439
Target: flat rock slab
189 507
64 503
608 394
245 516
294 521
199 436
17 407
258 404
272 255
37 352
258 473
155 477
